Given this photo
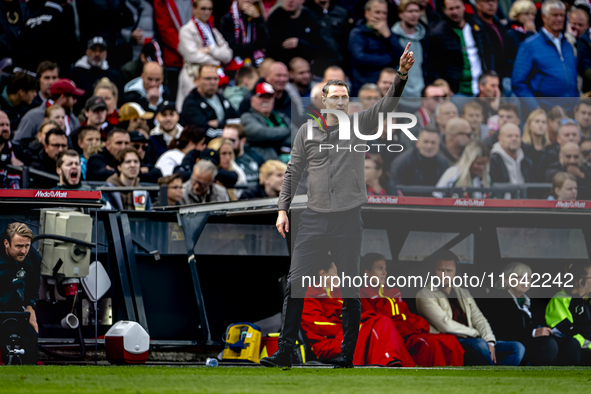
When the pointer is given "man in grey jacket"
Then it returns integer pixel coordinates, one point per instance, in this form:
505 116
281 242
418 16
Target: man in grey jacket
268 132
332 222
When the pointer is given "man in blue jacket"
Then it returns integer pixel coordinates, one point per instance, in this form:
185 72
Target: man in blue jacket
546 65
372 45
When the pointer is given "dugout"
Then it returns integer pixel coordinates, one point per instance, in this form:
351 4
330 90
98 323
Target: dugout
186 273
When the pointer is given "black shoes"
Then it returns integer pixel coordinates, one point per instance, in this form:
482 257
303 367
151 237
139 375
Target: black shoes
281 358
343 362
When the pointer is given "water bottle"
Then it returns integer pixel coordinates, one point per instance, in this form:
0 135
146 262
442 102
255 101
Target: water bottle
212 362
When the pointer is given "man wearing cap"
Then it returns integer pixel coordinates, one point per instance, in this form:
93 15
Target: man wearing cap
268 132
102 165
202 187
95 112
204 106
93 66
63 92
148 172
148 89
167 130
132 117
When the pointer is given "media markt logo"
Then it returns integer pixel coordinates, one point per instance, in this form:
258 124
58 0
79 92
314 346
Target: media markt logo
344 123
52 194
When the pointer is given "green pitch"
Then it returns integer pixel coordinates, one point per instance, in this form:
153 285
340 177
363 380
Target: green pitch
141 379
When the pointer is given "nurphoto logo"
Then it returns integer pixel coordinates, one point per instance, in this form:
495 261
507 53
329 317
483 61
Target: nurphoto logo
345 130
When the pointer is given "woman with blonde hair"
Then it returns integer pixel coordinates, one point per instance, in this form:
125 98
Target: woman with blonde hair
521 25
199 43
56 113
109 92
225 149
472 170
535 135
514 316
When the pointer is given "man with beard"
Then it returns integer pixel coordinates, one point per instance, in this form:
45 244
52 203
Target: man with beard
268 132
168 130
8 155
569 160
62 92
92 67
19 272
246 158
300 75
270 181
102 164
69 170
128 175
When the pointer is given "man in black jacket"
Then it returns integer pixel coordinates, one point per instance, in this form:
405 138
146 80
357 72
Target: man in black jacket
421 165
508 163
297 34
502 46
19 272
335 26
372 45
461 48
92 67
204 106
56 141
570 160
102 165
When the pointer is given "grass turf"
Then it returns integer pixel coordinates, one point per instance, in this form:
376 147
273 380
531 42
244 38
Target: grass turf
142 379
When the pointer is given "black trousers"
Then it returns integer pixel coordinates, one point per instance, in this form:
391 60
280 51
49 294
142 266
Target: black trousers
551 350
318 233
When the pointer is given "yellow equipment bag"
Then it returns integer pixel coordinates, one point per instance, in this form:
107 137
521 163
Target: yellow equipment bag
243 342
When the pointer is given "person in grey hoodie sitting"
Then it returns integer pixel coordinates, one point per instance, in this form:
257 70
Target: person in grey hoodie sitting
410 29
508 163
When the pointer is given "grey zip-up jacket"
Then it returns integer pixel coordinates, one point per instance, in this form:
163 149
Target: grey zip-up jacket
336 179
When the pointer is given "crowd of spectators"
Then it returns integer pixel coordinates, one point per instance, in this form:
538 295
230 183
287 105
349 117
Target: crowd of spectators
499 90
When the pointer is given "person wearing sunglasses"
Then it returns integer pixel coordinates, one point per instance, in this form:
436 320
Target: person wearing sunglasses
148 172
